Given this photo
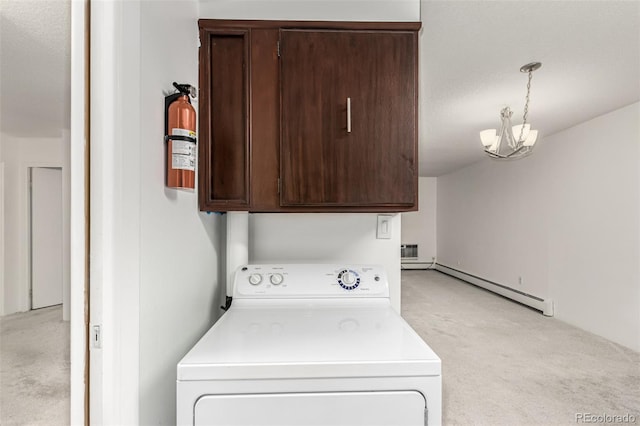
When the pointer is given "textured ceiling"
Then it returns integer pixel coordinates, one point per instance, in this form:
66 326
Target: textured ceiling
471 53
34 67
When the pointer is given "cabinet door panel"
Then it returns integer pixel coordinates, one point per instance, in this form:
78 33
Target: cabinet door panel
224 150
381 147
265 120
323 163
311 114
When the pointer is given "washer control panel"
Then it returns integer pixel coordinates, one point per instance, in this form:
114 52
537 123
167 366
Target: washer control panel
348 279
290 281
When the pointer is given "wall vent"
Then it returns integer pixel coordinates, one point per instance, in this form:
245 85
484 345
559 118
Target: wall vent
408 251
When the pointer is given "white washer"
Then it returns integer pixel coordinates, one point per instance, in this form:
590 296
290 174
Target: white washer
310 345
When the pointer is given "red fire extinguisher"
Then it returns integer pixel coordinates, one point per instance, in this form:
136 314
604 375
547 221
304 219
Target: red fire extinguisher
180 135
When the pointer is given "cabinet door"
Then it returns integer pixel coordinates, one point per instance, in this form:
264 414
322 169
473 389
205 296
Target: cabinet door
223 178
365 155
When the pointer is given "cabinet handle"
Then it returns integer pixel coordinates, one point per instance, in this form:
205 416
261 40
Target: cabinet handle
348 115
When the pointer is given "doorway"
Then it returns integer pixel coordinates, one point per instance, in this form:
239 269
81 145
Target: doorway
46 240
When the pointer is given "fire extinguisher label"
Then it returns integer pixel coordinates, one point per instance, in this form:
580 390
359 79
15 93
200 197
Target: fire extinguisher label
183 132
183 153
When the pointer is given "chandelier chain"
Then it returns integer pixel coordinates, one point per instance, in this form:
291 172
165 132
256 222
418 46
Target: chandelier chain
526 107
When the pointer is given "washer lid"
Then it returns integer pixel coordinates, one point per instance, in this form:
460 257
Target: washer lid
309 339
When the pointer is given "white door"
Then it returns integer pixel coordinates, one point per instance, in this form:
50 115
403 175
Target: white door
46 237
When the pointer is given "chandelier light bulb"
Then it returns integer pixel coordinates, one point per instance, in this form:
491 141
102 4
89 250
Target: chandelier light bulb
531 139
488 137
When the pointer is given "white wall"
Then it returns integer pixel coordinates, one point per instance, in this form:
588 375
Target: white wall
114 274
420 227
2 270
566 219
314 10
326 238
180 293
2 215
18 155
154 270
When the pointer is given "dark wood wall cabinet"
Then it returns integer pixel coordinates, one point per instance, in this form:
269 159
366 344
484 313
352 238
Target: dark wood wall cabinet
308 116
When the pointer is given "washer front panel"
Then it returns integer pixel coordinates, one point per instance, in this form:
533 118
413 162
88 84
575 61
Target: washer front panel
310 281
189 392
398 408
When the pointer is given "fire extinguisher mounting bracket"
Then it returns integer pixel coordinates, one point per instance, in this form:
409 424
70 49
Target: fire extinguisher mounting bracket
185 89
179 138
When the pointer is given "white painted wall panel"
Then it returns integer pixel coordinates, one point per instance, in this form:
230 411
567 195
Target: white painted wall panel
326 238
2 268
420 227
313 10
492 223
594 224
114 212
154 265
180 289
566 220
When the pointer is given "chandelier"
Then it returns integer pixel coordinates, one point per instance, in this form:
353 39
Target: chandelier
504 144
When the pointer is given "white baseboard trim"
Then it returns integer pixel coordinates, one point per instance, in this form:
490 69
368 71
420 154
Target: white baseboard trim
543 305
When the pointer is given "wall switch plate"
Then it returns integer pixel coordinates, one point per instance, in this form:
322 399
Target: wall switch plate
383 231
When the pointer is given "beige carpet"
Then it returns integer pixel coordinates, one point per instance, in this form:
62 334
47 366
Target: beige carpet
34 368
505 364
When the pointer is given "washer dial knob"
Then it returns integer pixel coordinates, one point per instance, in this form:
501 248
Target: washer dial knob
276 279
255 279
348 279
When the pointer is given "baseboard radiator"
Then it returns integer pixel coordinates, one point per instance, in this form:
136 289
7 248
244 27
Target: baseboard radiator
405 265
543 305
